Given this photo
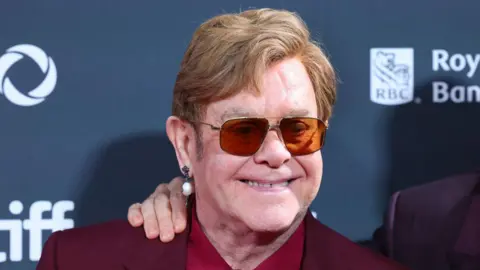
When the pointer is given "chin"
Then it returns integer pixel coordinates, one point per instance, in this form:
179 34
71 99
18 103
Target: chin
270 219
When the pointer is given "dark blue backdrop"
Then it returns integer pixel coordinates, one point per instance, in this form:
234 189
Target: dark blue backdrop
97 143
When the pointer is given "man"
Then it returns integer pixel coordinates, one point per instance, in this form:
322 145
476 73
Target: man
251 105
435 226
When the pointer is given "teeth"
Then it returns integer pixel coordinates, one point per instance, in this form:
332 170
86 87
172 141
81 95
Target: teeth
256 184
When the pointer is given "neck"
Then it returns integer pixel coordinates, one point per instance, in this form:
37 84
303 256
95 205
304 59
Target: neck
238 245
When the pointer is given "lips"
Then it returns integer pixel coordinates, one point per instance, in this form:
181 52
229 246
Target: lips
267 184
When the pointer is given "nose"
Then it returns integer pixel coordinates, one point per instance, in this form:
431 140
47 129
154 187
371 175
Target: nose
273 151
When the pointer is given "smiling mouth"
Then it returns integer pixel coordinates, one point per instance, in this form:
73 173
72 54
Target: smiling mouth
266 185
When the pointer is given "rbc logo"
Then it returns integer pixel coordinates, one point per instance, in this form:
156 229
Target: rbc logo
35 225
391 75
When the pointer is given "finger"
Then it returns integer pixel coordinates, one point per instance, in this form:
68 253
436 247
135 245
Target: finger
134 215
149 218
163 213
177 202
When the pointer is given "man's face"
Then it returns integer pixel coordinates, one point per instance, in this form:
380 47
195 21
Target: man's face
222 179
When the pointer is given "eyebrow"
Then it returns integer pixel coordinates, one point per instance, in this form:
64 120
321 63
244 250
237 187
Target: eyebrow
234 112
298 112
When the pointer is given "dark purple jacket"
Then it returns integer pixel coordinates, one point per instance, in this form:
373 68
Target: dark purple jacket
435 226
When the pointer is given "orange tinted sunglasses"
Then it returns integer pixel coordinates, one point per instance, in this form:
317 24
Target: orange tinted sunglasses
245 136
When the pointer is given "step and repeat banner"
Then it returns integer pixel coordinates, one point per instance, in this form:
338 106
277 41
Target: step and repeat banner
86 87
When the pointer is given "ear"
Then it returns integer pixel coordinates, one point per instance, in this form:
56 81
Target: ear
180 135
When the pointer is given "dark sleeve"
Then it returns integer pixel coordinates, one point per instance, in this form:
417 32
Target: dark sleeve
377 242
48 260
382 237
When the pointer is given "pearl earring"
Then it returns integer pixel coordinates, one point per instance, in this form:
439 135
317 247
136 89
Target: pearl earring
187 186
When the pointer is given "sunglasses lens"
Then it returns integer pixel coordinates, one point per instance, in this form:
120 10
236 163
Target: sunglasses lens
303 136
243 137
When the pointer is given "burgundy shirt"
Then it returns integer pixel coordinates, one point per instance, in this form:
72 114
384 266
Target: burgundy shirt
202 255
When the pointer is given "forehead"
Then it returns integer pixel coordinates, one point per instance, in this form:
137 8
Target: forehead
286 91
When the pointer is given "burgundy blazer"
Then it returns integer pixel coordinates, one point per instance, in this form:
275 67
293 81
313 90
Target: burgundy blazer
435 226
117 245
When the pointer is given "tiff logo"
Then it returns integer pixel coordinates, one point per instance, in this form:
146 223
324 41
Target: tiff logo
35 225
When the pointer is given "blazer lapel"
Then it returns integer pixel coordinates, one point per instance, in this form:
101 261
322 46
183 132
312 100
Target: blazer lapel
316 255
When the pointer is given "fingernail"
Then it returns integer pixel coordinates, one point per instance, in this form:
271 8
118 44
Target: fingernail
137 219
165 236
178 226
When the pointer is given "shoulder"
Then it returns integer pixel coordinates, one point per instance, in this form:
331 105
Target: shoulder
360 257
101 244
342 253
425 199
113 234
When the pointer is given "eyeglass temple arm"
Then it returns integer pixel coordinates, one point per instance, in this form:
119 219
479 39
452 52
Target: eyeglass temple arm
210 125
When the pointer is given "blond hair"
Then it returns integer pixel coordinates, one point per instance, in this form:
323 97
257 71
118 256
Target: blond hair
231 52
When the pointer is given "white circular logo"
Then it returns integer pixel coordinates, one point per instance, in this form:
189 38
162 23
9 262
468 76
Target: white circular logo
46 64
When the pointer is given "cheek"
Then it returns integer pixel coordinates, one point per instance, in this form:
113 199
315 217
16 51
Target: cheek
217 163
312 164
313 168
217 178
218 168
